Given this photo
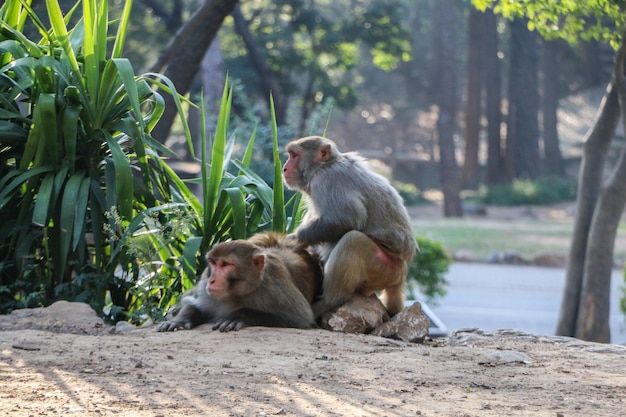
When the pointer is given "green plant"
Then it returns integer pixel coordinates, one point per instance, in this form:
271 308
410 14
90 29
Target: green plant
426 272
75 125
91 212
409 193
546 190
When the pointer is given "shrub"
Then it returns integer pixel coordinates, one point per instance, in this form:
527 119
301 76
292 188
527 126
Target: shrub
547 190
426 272
409 193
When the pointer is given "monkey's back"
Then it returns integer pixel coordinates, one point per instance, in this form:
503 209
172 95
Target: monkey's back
304 269
362 200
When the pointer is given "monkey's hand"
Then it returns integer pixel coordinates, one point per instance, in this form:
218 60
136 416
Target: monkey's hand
228 323
173 325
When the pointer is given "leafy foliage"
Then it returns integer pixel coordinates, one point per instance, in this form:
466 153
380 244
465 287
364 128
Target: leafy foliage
318 45
566 19
426 272
78 125
90 210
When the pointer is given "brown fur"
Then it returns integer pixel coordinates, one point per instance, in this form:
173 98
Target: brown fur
265 281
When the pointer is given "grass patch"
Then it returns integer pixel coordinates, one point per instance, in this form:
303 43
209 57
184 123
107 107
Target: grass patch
527 238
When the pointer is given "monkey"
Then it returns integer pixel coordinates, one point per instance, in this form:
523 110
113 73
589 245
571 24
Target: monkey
268 280
355 220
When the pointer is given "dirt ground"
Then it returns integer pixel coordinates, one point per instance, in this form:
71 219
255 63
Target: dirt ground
62 361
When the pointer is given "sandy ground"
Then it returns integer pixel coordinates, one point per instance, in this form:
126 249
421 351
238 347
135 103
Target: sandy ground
96 371
63 361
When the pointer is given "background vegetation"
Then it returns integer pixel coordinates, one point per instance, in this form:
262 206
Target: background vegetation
446 94
91 210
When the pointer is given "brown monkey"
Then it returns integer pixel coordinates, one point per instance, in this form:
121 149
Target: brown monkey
268 280
356 219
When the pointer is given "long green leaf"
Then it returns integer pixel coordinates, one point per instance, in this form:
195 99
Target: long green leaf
190 260
122 29
167 86
217 154
45 196
68 218
186 193
60 32
101 29
98 207
127 75
71 116
5 192
298 208
238 211
91 70
247 157
123 178
278 216
80 217
47 107
35 143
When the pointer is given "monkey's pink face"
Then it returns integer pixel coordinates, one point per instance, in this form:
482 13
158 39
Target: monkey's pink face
292 173
218 283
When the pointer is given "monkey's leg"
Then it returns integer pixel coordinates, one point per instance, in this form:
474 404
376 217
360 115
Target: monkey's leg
358 265
393 298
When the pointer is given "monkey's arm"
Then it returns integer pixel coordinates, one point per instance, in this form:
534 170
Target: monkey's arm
339 215
189 316
248 317
320 230
196 307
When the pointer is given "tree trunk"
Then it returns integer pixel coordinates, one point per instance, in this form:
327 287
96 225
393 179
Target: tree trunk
184 54
593 316
445 49
472 103
523 126
590 178
493 100
553 162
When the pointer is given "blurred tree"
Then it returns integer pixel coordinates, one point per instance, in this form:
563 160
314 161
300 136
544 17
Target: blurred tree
182 57
600 201
445 17
522 139
306 52
553 161
267 77
473 97
493 99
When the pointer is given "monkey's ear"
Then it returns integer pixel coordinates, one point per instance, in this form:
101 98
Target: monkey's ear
324 153
258 261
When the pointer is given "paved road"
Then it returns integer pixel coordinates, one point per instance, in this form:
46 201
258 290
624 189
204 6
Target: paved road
527 298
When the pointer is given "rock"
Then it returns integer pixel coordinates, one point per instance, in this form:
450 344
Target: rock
410 325
122 327
504 357
60 317
557 261
359 315
474 209
511 258
464 255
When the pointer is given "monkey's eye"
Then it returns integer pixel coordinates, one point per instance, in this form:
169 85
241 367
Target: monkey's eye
219 263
